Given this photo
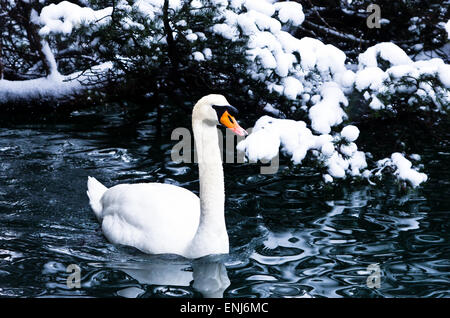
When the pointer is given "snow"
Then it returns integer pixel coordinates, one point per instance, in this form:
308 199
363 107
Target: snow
262 21
264 39
350 133
327 112
327 178
51 86
346 79
387 51
228 32
335 168
357 164
247 25
201 35
269 133
64 16
207 53
348 150
402 169
260 6
312 75
371 77
330 58
260 146
444 74
198 56
268 61
376 104
219 3
402 76
315 54
315 99
405 172
272 49
272 110
50 59
56 18
173 4
35 88
196 4
416 69
283 62
327 149
415 157
297 140
292 87
191 37
34 17
291 12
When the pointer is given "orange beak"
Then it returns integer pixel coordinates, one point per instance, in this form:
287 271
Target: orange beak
228 121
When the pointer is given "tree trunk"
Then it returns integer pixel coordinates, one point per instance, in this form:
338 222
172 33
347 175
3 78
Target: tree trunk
23 16
169 36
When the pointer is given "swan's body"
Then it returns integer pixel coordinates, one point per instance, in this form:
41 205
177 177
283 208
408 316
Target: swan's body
153 217
160 218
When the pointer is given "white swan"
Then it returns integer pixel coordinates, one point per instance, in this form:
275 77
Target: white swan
161 218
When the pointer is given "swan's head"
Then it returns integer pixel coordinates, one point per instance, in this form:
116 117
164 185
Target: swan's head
214 109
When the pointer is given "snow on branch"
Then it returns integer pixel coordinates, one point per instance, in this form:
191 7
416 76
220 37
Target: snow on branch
390 80
54 19
335 33
52 87
64 16
314 77
304 75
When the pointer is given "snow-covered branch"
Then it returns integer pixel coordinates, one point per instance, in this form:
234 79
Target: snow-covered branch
250 47
340 35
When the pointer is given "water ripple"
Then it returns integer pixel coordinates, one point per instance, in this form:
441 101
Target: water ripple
288 237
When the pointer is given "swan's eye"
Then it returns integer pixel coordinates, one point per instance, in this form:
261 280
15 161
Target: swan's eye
220 110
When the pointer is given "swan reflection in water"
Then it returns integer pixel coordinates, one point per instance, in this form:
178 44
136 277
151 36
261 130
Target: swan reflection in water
207 275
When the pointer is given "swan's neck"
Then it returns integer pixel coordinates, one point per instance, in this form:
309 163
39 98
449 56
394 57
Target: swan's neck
212 192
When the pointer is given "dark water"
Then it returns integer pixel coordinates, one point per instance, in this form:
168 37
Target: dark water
288 236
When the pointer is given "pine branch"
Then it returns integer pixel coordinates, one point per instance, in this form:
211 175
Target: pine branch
337 34
22 16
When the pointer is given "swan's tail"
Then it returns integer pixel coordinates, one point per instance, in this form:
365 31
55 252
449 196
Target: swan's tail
95 192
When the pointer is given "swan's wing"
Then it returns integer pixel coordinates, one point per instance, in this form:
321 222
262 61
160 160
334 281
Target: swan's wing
153 217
